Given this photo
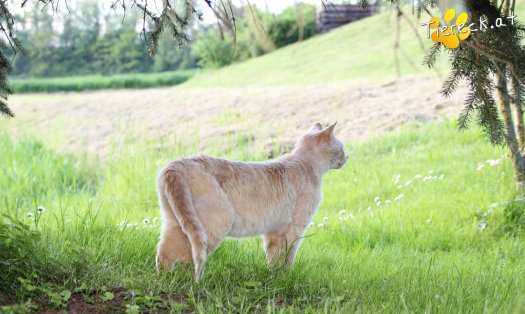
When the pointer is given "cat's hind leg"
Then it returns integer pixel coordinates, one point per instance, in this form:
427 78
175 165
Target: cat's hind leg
174 245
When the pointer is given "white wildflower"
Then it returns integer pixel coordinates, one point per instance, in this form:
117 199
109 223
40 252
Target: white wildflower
396 178
494 162
480 166
29 215
441 177
482 225
325 218
342 211
400 196
310 224
146 221
409 182
418 176
320 225
376 199
378 204
387 202
40 209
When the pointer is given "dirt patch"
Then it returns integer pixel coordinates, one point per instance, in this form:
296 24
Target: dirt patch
90 302
93 121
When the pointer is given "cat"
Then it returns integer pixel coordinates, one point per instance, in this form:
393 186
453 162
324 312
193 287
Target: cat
205 199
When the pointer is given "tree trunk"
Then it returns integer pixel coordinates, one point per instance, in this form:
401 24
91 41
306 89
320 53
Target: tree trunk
506 8
518 160
518 111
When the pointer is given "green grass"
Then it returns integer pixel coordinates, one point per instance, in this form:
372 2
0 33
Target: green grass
95 82
439 248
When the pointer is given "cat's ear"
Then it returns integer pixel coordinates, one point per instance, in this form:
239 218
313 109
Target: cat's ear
315 128
331 128
329 131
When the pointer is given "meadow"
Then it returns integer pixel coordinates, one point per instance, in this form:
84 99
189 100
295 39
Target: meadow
96 82
420 220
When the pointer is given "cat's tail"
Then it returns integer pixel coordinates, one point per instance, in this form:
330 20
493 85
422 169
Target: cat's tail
172 184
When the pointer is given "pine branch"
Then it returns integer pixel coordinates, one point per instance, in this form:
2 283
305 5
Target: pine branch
431 55
4 109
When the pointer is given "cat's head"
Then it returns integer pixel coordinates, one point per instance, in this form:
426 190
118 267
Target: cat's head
322 142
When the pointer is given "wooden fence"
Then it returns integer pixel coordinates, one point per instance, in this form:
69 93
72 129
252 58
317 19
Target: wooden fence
330 16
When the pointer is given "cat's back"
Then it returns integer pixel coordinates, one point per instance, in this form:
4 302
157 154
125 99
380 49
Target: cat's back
227 171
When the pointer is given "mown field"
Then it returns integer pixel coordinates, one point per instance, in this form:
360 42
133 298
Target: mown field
417 221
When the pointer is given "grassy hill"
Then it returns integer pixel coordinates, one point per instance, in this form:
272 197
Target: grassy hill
363 50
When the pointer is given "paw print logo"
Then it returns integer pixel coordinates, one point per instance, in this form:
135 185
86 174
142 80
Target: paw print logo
451 35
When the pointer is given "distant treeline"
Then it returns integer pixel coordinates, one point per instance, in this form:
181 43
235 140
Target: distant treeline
89 41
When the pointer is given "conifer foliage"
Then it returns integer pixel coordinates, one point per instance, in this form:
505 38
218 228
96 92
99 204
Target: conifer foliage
492 63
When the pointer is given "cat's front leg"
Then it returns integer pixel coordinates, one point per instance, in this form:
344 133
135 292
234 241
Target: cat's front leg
281 246
272 247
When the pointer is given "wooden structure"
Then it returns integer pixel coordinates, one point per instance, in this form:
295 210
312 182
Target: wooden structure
330 16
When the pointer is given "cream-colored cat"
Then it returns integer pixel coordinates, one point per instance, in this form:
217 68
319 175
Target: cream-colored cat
205 199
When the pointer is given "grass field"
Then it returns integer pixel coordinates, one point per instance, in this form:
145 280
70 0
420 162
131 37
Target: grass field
95 82
412 223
